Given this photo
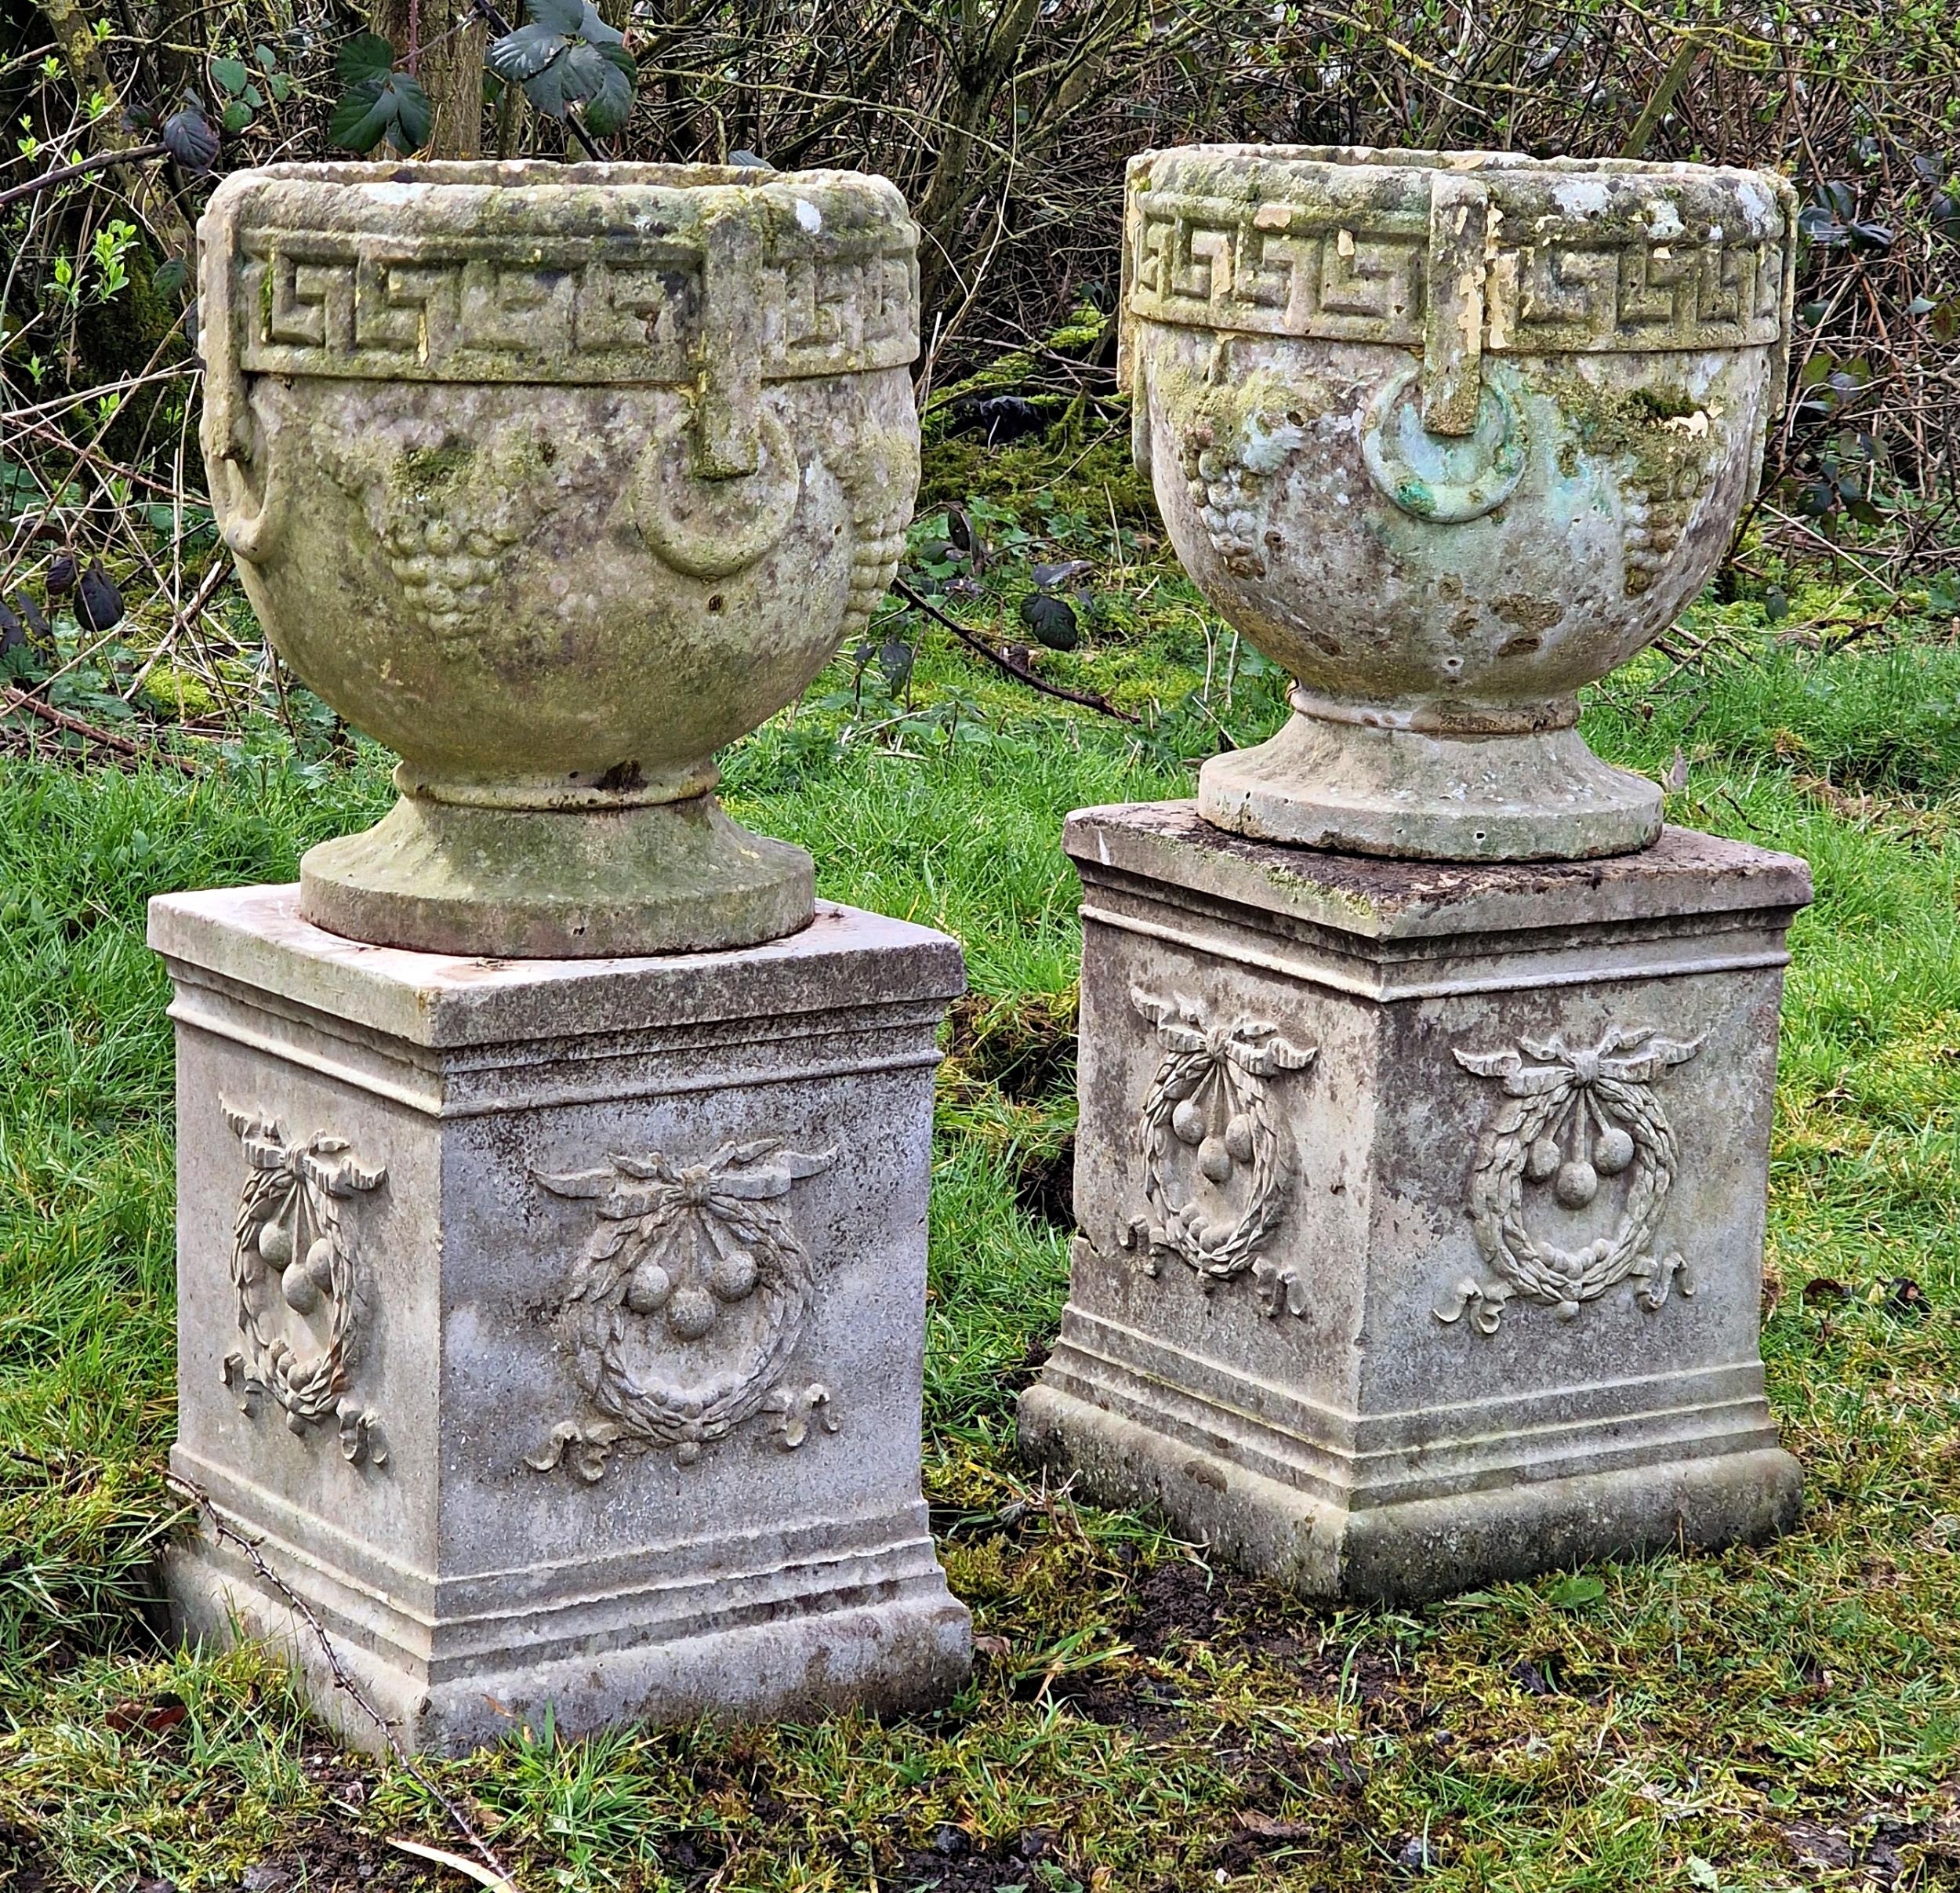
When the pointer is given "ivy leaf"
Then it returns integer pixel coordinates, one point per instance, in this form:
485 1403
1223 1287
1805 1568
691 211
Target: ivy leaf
98 605
188 137
237 115
394 107
229 75
1051 620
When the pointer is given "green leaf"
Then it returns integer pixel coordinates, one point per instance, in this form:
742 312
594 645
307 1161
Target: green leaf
237 115
366 57
568 56
229 75
1575 1591
520 56
359 120
601 79
188 137
393 106
414 117
1051 620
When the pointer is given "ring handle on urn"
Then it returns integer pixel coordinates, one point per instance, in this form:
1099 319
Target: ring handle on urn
713 494
1459 453
708 527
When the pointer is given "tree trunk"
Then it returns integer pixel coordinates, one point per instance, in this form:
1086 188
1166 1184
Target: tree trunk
449 63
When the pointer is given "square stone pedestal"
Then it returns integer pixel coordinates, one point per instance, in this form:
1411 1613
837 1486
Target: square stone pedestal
556 1328
1422 1205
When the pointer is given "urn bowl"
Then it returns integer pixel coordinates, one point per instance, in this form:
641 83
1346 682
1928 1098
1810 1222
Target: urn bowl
1449 435
555 479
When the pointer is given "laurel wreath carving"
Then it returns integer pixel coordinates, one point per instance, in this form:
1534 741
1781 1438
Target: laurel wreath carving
287 1238
1210 1093
1570 1116
677 1243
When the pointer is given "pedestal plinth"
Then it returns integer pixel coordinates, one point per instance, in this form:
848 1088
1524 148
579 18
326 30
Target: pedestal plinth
555 1329
1422 1205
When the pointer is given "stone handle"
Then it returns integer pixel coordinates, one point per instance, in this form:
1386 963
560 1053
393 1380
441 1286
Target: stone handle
227 431
713 495
727 407
251 529
708 526
1453 335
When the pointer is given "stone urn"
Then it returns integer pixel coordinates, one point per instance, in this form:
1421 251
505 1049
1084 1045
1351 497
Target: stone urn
555 479
1449 435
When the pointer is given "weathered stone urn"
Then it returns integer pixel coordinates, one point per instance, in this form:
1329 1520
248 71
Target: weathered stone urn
555 478
1449 436
1421 1201
551 1181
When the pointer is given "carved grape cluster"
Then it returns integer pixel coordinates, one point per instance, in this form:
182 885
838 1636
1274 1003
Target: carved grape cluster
445 568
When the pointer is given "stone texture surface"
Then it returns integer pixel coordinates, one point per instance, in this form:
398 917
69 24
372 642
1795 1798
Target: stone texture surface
555 479
1421 1206
1448 437
556 1328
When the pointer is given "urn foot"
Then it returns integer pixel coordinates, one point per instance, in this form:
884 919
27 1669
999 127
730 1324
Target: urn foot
676 876
1426 793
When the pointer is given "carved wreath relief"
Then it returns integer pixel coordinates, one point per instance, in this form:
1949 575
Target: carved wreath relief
686 1308
1569 1118
293 1272
1209 1107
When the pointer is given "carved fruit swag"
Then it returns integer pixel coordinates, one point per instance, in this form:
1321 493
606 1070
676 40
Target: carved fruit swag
1209 1095
288 1246
1572 1116
675 1246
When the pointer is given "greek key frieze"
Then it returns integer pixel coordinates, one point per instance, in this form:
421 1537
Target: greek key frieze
1276 269
583 309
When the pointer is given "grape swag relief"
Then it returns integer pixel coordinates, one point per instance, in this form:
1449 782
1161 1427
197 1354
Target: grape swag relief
1570 1118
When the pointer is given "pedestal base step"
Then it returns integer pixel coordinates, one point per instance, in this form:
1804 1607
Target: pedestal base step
1417 1548
890 1648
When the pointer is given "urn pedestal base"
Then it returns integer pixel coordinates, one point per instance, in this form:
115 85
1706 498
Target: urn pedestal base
1353 784
554 1330
582 882
1421 1206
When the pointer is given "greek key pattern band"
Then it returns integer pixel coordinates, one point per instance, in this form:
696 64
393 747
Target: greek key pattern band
1280 269
579 310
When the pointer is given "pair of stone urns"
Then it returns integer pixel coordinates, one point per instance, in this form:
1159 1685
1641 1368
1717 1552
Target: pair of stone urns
553 1169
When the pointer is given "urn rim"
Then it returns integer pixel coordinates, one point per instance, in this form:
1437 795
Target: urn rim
1352 157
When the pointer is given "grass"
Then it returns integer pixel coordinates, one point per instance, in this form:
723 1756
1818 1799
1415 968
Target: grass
1138 1719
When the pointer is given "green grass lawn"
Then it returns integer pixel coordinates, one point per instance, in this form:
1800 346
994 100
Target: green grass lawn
1137 1718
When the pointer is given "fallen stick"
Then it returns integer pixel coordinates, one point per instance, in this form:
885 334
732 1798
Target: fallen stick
1019 672
123 746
